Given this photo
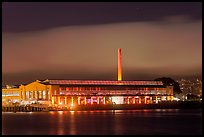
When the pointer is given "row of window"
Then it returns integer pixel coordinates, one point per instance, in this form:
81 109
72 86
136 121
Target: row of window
10 94
114 92
35 95
106 88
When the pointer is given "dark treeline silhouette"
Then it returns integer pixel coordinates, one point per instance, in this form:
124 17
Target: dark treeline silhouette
170 82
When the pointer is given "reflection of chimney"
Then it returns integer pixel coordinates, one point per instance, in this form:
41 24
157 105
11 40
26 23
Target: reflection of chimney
119 64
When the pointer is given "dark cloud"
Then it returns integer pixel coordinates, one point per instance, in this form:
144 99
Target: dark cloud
30 16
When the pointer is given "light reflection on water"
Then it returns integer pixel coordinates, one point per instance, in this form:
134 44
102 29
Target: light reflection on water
108 122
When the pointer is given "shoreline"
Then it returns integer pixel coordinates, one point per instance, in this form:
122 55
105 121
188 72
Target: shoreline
161 105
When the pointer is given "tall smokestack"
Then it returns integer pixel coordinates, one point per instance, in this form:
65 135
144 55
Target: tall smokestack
119 64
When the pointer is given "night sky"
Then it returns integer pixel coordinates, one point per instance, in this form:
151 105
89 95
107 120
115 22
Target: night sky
80 40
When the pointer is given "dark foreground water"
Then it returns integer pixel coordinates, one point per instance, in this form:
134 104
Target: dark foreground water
105 122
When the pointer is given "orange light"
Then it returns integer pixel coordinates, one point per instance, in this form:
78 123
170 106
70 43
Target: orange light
72 100
53 100
91 100
97 100
65 100
78 100
133 100
59 102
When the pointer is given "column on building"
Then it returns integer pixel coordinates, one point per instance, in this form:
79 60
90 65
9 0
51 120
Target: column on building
26 95
65 100
150 99
133 100
128 100
58 100
156 100
98 101
78 100
29 94
72 100
36 95
85 100
33 95
46 96
53 100
104 100
162 98
91 100
139 100
145 100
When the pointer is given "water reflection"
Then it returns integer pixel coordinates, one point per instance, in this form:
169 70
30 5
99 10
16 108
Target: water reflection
72 123
60 122
105 122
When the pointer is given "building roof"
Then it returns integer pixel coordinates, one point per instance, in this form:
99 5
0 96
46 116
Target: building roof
102 82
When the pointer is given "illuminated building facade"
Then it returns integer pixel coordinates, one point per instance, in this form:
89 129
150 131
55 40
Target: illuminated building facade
90 92
109 92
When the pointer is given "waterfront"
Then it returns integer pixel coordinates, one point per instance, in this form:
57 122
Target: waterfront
104 122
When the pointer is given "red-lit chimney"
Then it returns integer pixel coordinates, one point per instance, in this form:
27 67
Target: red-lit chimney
119 64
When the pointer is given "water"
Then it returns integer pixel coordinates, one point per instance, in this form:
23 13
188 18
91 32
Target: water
104 122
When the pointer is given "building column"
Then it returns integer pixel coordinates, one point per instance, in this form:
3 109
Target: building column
145 100
139 100
156 100
98 101
36 95
65 100
41 93
162 98
85 100
128 100
29 94
150 100
46 95
24 95
58 100
53 100
172 98
167 97
91 100
72 100
133 100
104 100
33 94
78 100
49 94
